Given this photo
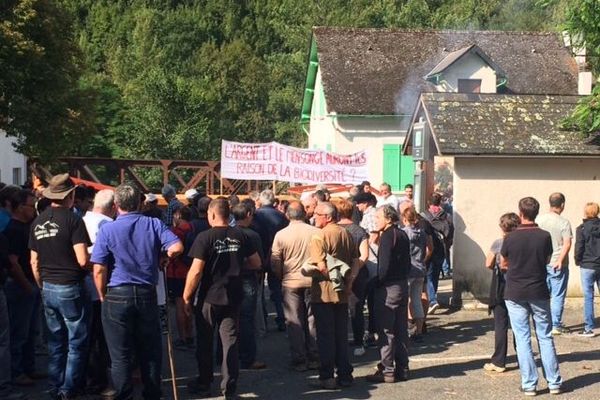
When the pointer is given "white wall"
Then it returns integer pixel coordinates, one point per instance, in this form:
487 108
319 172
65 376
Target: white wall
471 66
485 188
9 160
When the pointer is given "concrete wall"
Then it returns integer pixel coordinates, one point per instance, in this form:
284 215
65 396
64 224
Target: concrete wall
470 66
9 160
485 188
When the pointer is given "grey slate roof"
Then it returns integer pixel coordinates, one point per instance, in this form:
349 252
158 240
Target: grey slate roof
496 124
380 71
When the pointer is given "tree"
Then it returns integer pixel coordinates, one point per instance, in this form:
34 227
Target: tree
41 103
583 24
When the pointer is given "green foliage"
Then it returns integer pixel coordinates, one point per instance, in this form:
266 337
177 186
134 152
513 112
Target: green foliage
41 101
583 24
171 78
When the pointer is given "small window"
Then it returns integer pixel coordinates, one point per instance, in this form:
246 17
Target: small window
16 176
469 86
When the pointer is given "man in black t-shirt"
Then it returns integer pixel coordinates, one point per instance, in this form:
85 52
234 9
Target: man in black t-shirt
22 294
525 254
59 256
219 254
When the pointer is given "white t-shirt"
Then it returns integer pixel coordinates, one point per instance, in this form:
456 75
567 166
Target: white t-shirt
391 200
93 221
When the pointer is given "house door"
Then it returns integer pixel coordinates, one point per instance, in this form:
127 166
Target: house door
398 170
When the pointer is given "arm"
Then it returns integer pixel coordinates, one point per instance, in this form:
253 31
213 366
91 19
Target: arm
384 258
254 262
175 249
82 255
192 281
276 259
100 279
563 253
363 249
428 249
16 272
579 245
490 260
35 267
503 264
318 255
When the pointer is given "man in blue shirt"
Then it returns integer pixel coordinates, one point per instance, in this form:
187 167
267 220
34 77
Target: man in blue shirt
131 247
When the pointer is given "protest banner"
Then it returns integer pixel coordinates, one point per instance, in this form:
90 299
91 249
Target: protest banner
274 161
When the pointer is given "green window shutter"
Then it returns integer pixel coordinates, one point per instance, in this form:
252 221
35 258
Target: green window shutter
391 165
398 169
407 171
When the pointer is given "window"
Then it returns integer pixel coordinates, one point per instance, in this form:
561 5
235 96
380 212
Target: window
16 176
469 86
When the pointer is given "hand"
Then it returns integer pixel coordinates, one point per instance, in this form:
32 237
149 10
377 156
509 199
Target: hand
557 267
188 308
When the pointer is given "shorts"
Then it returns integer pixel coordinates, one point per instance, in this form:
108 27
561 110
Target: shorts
175 287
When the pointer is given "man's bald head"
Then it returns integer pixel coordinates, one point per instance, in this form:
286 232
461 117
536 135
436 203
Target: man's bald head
295 211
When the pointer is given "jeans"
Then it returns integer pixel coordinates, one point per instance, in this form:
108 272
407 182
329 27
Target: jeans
519 312
132 328
446 266
332 339
98 361
67 310
433 277
300 323
589 276
23 312
358 315
5 379
391 306
247 320
226 318
557 284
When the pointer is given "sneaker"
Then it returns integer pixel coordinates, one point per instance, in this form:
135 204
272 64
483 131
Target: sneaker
109 392
380 377
529 392
328 384
586 334
557 390
198 390
359 351
432 308
23 380
401 375
346 381
560 330
493 367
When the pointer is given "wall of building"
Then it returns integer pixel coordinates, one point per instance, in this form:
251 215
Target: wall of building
485 188
470 66
13 165
322 131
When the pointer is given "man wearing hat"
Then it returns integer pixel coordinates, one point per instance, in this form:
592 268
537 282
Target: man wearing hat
192 195
150 207
59 257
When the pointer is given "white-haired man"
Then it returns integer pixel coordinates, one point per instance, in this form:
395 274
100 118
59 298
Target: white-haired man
267 222
104 211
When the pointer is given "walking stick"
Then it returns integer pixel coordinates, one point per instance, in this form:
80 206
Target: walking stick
169 340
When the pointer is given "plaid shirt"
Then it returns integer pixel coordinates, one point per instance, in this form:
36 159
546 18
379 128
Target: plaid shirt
173 206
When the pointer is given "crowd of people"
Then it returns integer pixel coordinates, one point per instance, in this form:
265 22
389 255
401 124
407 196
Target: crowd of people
103 267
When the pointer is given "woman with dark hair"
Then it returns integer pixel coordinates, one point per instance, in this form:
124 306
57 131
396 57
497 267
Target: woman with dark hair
508 223
391 297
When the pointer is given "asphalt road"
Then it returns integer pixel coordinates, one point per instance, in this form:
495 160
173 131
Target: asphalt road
448 365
